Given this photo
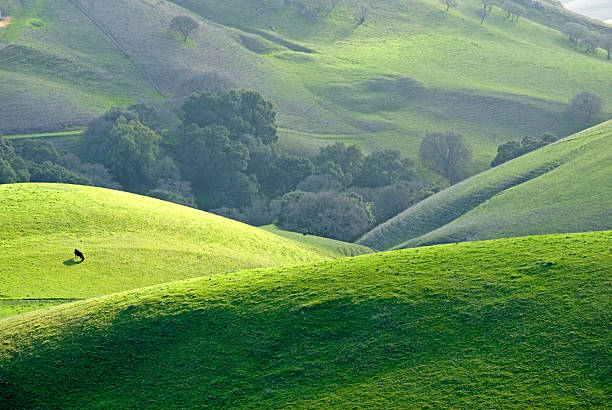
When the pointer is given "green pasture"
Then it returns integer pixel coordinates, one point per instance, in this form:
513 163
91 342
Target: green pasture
340 248
563 187
129 241
512 323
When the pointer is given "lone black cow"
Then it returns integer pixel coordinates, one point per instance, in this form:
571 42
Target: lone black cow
78 254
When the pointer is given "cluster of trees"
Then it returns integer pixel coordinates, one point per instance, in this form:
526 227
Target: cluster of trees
513 10
339 193
514 149
38 161
224 157
580 35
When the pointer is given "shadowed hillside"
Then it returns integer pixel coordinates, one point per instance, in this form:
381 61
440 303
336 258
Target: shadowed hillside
518 322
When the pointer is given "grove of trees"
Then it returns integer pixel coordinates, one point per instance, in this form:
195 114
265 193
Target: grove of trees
514 149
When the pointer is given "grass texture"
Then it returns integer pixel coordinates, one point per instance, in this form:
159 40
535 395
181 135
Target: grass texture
129 241
563 187
513 323
323 244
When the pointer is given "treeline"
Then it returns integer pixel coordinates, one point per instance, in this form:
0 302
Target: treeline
223 157
31 160
514 149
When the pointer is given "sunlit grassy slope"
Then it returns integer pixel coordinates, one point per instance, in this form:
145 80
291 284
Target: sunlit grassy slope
129 241
513 323
412 68
563 187
324 244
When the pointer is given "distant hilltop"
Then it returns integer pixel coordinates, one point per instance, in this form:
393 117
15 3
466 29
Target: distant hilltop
597 9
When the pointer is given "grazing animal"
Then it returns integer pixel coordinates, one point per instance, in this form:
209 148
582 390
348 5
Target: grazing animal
78 254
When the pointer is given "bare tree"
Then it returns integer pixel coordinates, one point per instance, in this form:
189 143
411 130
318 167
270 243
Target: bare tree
184 25
584 107
445 153
449 3
362 14
482 13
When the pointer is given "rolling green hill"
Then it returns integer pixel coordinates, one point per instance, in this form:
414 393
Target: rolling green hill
129 241
563 187
412 68
512 323
324 244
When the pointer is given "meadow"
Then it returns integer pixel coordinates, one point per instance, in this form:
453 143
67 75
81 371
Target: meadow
519 322
129 241
563 187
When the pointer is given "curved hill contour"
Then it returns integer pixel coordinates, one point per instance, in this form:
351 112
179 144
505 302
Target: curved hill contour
511 323
129 241
563 187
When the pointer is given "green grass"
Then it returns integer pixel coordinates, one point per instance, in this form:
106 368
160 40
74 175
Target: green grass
129 241
61 71
492 82
47 134
323 244
563 187
513 323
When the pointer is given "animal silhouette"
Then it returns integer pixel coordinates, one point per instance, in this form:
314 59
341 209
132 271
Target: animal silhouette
78 254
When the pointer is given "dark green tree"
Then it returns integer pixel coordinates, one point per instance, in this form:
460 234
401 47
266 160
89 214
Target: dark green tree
341 161
241 112
7 173
383 168
13 163
133 150
329 214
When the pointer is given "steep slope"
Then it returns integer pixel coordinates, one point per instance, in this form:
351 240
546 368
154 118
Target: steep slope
412 68
518 322
129 241
563 187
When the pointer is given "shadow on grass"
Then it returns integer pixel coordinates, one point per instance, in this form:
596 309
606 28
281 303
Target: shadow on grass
71 262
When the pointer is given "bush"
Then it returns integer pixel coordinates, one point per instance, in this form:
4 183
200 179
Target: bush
50 172
329 214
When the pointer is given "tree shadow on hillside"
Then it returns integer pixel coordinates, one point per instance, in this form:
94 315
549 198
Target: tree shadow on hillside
71 262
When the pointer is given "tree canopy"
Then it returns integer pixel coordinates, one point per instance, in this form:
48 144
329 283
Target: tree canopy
445 153
184 25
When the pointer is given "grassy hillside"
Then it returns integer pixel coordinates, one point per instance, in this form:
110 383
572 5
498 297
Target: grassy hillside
512 323
412 68
563 187
129 241
324 244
